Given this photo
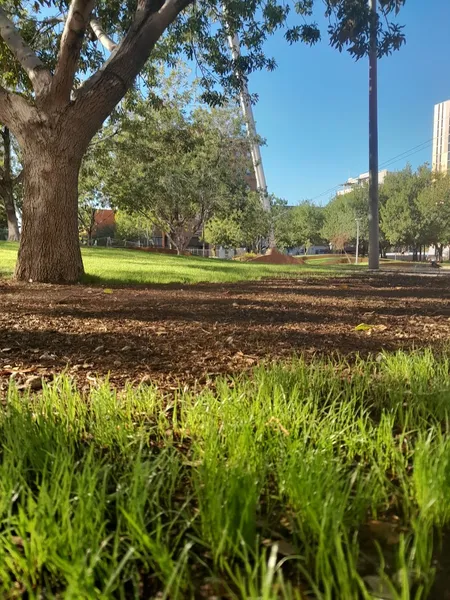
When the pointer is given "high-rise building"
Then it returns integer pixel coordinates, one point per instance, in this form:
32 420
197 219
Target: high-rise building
441 137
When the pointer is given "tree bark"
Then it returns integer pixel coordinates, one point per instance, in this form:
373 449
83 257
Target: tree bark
50 250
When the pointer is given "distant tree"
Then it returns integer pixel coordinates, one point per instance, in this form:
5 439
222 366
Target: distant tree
10 180
299 225
433 206
282 223
401 220
91 196
224 231
340 216
307 224
176 169
87 224
134 227
242 227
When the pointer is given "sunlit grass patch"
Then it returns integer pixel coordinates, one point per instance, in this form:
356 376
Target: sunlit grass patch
323 477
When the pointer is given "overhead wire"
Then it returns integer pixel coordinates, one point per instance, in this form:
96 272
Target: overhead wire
402 156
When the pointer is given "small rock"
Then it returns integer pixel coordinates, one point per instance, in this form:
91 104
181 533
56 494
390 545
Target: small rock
32 383
17 541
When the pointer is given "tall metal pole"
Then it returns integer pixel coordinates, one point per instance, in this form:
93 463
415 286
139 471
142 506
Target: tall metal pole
374 233
357 240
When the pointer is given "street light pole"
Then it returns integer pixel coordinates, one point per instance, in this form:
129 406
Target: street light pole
357 240
374 233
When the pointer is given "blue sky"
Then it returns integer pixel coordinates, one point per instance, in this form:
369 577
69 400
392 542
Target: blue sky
313 109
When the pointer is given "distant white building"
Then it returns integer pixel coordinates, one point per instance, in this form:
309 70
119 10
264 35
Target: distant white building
441 137
360 181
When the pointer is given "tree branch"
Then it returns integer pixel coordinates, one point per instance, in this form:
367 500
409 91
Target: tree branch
14 111
101 92
103 139
70 48
102 36
39 75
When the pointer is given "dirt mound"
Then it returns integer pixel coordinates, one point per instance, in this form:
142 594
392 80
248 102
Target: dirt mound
274 257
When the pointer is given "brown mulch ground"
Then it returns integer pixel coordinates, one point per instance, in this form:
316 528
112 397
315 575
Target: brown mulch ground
168 334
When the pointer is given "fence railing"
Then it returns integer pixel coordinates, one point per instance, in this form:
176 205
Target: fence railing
155 242
206 253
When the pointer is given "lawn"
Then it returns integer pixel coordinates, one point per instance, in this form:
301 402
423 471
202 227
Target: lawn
326 480
177 451
121 267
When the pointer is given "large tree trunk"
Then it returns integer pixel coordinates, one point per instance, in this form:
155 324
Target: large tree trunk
50 250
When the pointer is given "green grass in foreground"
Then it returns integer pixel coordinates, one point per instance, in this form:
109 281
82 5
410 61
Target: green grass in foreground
258 490
121 267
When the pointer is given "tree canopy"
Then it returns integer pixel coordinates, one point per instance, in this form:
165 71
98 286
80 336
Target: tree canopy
401 219
297 226
243 223
433 204
198 30
414 208
68 64
174 168
340 218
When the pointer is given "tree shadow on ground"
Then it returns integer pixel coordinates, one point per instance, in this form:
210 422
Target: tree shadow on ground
192 331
